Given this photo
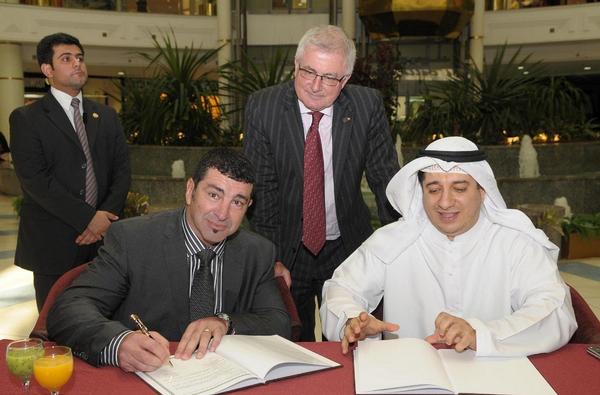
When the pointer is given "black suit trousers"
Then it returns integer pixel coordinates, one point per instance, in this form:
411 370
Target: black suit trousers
307 282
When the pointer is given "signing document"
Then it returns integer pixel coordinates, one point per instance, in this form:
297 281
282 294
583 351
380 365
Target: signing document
239 361
409 366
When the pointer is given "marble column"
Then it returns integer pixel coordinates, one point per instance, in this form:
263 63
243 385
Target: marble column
224 37
476 39
11 83
349 18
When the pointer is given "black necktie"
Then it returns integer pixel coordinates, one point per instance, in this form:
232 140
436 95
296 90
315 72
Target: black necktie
202 297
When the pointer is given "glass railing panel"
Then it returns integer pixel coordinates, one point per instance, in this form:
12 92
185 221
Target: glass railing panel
502 5
184 7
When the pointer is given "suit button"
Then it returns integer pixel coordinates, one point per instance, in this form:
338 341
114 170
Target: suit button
81 191
83 165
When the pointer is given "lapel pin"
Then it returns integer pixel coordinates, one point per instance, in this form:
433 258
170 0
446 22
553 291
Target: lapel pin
346 119
95 115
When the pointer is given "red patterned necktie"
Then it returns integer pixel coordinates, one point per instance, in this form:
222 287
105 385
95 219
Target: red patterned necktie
313 207
91 188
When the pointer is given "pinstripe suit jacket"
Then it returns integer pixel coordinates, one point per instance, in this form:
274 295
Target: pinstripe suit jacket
274 141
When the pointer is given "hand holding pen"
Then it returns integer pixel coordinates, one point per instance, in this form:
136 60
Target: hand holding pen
135 318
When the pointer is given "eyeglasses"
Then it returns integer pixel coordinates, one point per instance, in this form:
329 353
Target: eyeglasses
327 80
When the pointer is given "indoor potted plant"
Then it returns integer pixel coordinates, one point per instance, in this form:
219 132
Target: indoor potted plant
581 236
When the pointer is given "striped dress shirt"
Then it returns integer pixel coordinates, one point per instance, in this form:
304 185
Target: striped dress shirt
193 245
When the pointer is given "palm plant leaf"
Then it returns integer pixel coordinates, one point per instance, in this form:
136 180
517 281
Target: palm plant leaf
241 78
175 101
482 105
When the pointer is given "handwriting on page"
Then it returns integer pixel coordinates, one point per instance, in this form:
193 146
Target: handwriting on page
194 376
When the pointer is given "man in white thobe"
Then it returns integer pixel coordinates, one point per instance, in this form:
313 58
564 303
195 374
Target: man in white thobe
458 268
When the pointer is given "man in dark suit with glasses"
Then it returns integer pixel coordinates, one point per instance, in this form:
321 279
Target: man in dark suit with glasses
311 140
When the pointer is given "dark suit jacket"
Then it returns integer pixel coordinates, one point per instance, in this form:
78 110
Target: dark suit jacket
274 141
48 160
142 269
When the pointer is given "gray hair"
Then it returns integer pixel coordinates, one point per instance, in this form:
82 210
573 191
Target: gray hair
329 38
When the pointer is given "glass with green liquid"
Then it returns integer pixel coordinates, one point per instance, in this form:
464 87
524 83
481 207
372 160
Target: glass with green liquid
20 356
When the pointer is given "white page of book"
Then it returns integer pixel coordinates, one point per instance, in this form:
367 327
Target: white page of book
470 374
208 375
271 357
407 364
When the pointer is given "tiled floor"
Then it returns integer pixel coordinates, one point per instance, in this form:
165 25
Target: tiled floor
17 304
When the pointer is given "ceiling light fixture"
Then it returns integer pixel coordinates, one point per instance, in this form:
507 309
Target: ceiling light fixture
520 67
587 68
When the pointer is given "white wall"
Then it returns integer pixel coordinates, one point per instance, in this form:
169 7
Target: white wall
559 34
543 25
27 24
552 34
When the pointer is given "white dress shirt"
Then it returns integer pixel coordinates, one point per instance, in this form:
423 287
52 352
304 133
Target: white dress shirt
64 99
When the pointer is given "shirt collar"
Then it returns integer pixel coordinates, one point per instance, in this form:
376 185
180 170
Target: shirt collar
193 244
328 111
64 99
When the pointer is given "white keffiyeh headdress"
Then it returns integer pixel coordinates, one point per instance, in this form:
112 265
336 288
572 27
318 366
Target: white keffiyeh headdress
450 154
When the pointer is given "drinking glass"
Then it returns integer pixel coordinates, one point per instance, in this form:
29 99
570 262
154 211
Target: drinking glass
20 356
54 368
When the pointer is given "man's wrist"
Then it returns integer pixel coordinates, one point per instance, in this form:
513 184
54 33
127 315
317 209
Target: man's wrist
109 355
343 329
230 330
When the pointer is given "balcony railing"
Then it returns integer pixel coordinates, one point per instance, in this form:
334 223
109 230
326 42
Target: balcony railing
501 5
183 7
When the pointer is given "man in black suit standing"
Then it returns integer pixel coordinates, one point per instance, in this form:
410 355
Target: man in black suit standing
189 273
72 160
311 140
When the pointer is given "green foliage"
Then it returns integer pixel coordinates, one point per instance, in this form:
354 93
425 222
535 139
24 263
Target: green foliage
477 105
587 225
17 202
556 106
173 107
551 219
136 205
244 77
502 101
381 70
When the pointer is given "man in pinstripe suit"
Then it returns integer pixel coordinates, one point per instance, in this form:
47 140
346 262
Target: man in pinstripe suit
355 139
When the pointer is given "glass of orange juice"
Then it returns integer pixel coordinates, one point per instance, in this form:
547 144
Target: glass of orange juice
54 368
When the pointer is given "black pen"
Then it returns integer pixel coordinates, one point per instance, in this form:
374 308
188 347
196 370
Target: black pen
143 329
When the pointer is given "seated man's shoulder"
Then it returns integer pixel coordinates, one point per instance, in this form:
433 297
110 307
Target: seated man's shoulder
249 239
147 222
512 239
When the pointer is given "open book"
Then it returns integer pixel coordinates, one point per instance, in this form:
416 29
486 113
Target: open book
238 362
405 366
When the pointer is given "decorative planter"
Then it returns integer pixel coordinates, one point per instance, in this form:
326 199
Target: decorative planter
576 247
